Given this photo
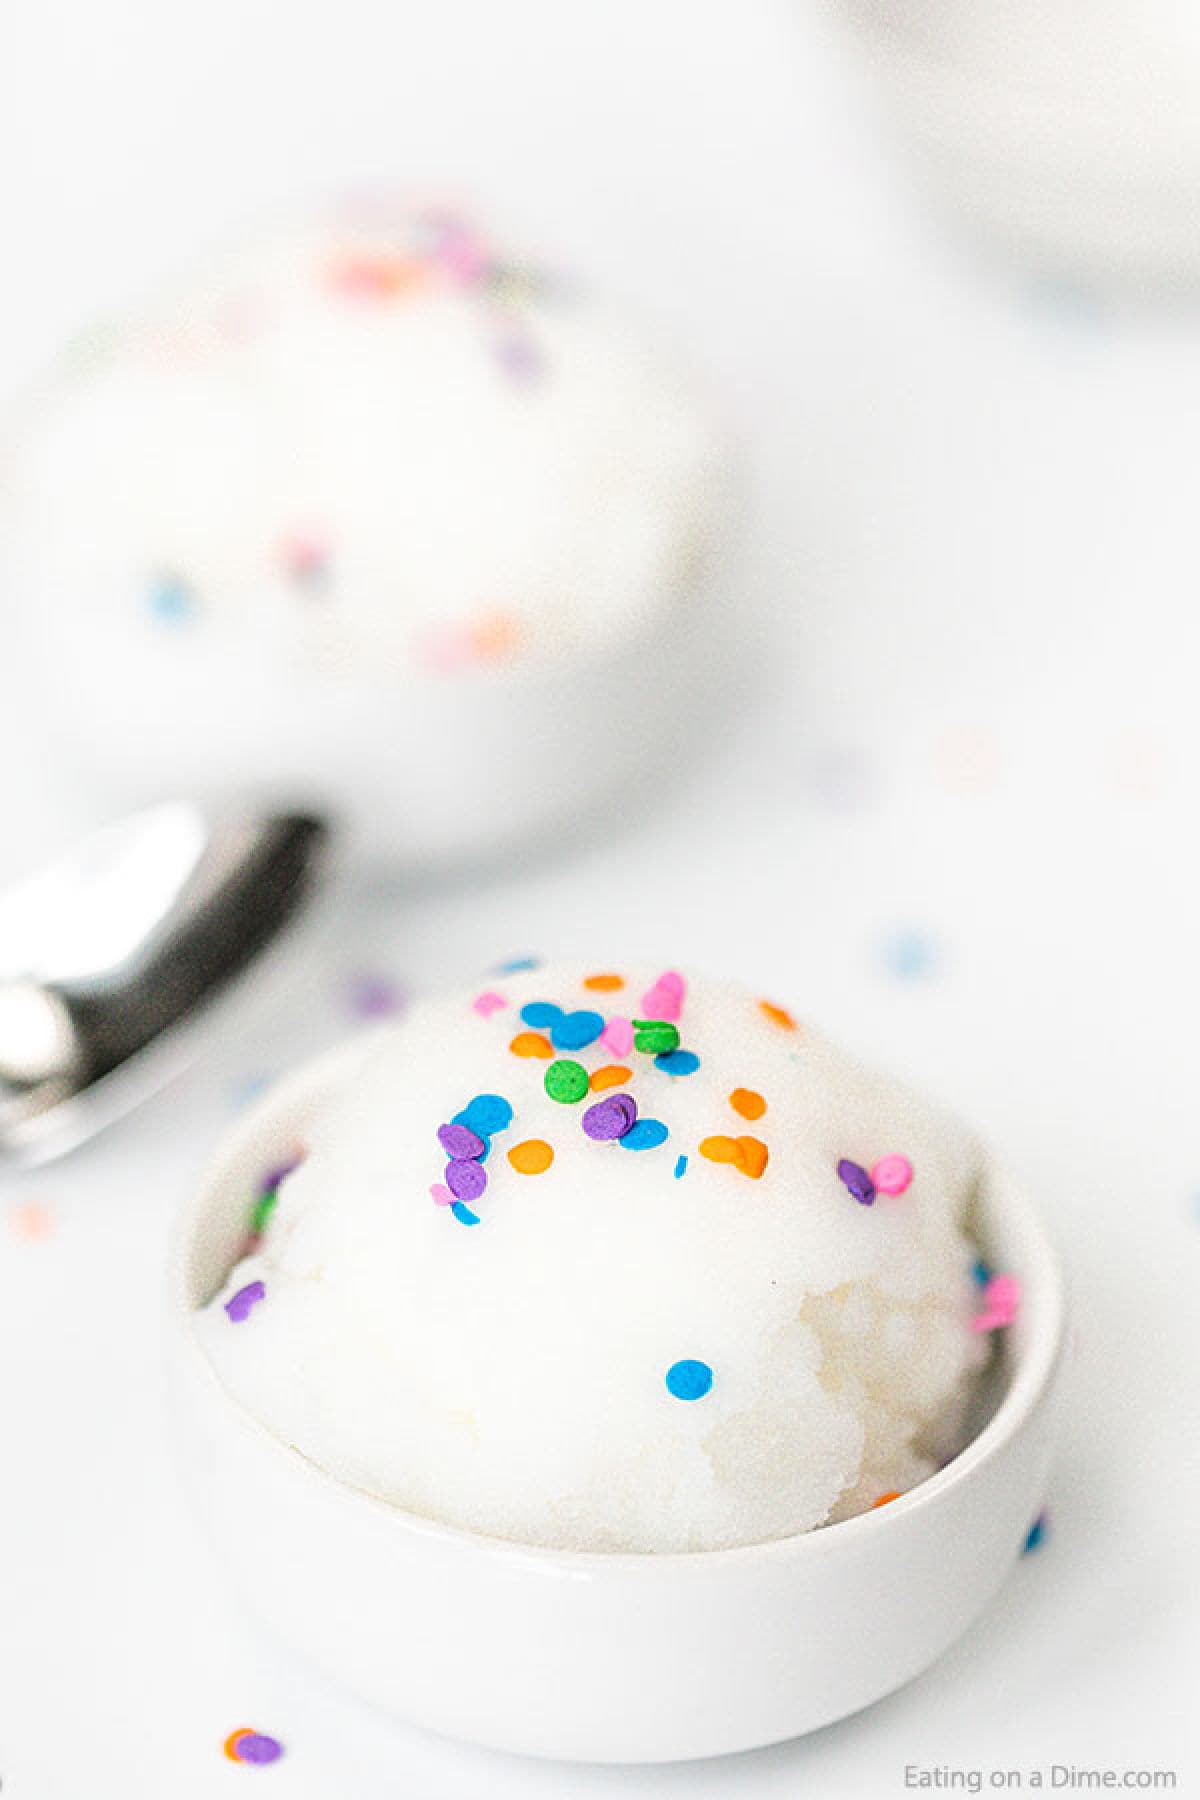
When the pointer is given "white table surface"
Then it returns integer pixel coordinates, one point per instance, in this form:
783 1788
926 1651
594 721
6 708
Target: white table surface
953 818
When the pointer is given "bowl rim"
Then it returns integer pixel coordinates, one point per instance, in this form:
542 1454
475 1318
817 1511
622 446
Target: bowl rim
1033 1378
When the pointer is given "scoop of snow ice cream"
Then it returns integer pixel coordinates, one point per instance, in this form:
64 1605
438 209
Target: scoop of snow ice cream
613 1260
367 510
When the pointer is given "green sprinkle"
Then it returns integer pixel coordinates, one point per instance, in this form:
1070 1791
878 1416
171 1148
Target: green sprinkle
262 1209
566 1081
654 1036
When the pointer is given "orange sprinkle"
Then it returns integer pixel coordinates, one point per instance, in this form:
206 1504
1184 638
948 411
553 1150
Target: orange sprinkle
892 1494
533 1157
233 1740
532 1043
748 1103
604 984
611 1075
720 1149
752 1156
496 635
33 1220
778 1015
376 277
748 1154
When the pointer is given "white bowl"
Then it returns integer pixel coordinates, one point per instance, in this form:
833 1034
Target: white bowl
598 1657
1068 129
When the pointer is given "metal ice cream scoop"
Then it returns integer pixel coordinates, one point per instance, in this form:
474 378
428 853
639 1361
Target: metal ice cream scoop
110 958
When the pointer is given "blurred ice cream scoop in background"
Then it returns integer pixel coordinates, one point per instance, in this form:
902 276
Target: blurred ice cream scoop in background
1068 128
373 515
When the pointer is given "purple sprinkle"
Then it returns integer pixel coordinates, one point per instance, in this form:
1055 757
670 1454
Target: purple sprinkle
374 997
272 1177
853 1176
466 1180
257 1747
520 357
610 1118
460 1142
239 1305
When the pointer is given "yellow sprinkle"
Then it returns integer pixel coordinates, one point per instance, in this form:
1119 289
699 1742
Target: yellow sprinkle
532 1043
604 984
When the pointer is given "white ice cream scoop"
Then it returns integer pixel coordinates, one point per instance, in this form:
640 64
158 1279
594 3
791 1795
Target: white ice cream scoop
372 512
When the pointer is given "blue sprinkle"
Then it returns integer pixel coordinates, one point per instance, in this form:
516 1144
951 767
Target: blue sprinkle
541 1013
485 1114
689 1380
910 955
573 1031
680 1167
677 1062
1037 1533
171 600
647 1134
463 1214
981 1273
248 1088
518 965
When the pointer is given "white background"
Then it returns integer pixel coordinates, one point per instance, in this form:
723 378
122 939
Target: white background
956 822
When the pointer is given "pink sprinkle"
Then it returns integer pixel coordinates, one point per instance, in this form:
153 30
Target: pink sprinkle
460 253
892 1175
441 1194
448 648
665 999
305 557
487 1004
1001 1298
618 1035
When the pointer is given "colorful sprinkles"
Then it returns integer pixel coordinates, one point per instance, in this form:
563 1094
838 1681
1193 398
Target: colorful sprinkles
747 1104
892 1175
566 1082
533 1157
1001 1298
1036 1535
239 1306
252 1747
612 1116
857 1181
689 1379
466 1142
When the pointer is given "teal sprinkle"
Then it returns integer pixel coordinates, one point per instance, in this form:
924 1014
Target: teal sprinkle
981 1273
463 1214
171 600
680 1167
677 1062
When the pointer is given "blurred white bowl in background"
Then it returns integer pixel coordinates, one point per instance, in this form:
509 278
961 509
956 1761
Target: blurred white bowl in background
1068 128
370 518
